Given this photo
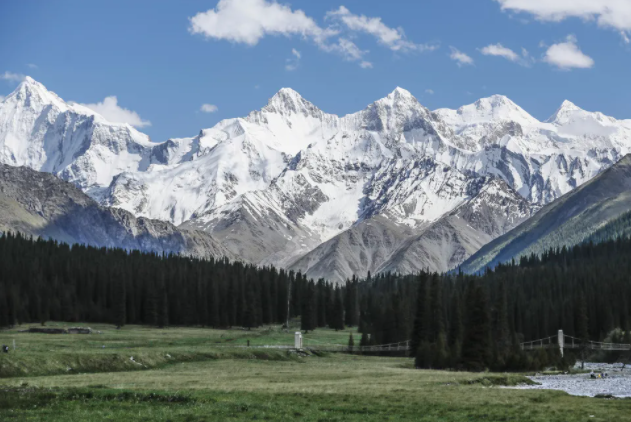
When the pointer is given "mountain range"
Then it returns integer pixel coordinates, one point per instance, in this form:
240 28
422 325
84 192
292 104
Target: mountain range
393 187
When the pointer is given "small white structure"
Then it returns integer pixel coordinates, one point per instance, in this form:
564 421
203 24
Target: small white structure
561 340
298 340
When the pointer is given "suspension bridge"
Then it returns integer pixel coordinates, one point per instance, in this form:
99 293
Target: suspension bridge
316 346
563 341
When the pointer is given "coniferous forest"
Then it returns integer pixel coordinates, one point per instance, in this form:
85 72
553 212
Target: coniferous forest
453 321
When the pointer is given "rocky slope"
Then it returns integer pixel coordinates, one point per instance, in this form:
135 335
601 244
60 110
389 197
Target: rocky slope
294 186
567 221
40 204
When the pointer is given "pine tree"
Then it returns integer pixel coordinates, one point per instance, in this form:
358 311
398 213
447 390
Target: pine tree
120 303
351 342
421 316
476 348
162 316
337 317
308 315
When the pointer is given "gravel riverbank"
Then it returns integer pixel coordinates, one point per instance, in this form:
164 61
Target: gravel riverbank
617 383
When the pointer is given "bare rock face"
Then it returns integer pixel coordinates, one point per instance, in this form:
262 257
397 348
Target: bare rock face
40 204
393 187
565 222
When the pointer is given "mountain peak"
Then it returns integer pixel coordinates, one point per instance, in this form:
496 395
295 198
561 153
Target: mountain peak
32 91
287 102
401 92
489 109
564 112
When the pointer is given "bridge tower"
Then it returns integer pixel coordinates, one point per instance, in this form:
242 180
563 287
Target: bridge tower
298 340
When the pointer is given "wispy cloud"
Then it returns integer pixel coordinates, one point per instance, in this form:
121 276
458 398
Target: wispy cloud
460 58
32 66
393 38
613 14
249 21
429 91
114 113
499 50
293 62
12 77
209 108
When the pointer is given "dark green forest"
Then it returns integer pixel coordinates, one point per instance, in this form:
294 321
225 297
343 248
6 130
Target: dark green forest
453 320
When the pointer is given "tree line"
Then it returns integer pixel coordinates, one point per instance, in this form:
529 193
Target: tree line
452 320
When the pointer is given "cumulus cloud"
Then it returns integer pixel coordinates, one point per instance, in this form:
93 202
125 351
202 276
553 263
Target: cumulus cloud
209 108
566 55
293 62
613 14
249 21
114 113
459 57
499 50
393 38
12 77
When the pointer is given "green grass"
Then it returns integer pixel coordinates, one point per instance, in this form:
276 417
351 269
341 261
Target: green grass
237 384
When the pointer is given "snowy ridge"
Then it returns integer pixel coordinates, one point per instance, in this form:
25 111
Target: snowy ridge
278 183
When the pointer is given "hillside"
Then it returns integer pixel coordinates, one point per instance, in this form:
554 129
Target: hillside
566 221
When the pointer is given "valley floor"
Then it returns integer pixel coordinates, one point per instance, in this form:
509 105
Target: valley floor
187 374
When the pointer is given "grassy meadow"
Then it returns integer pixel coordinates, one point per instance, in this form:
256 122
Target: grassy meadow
196 374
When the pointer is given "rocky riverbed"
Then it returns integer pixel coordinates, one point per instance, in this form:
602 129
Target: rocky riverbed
617 383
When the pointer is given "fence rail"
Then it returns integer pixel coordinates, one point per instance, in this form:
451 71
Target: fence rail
563 341
393 347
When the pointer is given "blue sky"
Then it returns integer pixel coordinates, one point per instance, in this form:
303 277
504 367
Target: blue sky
164 60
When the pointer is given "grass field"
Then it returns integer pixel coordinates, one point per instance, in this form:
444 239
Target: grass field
193 374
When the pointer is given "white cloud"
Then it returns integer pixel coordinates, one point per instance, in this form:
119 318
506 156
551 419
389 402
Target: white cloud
13 77
2 97
209 108
348 49
567 55
365 65
461 58
429 91
499 50
614 14
293 62
32 66
248 21
392 38
114 113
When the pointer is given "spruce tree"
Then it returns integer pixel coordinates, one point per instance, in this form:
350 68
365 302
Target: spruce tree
476 347
308 315
120 303
162 316
421 315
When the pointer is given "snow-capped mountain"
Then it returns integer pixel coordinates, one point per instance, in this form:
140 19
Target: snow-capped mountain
41 131
392 187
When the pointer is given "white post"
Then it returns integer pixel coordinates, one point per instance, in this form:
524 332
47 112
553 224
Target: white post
561 340
298 340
